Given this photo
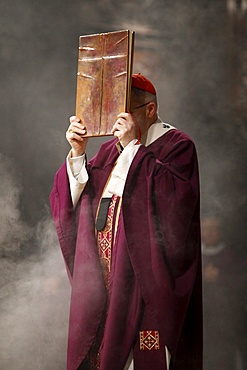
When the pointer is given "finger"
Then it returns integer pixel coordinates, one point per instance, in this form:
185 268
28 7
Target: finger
74 119
77 128
118 126
123 115
72 136
115 126
121 122
117 133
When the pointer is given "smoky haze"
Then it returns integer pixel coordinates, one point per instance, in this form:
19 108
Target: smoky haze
34 291
194 52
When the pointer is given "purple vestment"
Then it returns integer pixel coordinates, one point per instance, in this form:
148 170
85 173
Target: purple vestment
156 265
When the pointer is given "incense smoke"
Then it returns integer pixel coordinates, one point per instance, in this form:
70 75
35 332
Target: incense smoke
34 291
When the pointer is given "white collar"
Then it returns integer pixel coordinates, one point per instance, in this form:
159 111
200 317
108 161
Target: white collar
155 131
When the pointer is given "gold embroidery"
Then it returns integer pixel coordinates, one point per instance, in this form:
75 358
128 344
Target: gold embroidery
105 238
149 340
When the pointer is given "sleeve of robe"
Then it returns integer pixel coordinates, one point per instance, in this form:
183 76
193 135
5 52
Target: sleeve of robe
166 190
64 217
64 214
161 215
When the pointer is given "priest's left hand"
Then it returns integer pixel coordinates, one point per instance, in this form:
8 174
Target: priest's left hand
125 128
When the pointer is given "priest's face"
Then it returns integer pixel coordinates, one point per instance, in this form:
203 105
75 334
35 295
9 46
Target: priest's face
138 109
145 113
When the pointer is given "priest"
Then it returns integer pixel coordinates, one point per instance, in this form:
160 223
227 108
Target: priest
129 230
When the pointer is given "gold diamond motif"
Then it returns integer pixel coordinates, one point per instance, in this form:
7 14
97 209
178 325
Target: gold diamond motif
149 340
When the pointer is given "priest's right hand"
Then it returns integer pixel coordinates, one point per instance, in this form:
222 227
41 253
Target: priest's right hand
74 135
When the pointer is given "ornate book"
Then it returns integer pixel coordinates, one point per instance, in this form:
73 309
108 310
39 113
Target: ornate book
104 79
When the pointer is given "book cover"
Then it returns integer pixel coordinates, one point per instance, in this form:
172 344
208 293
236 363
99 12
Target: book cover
103 79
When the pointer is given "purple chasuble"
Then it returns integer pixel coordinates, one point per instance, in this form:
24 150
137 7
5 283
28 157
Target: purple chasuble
155 281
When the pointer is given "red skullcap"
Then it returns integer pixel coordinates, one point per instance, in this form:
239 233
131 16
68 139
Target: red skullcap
141 82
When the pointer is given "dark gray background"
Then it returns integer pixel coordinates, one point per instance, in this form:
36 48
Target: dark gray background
193 51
